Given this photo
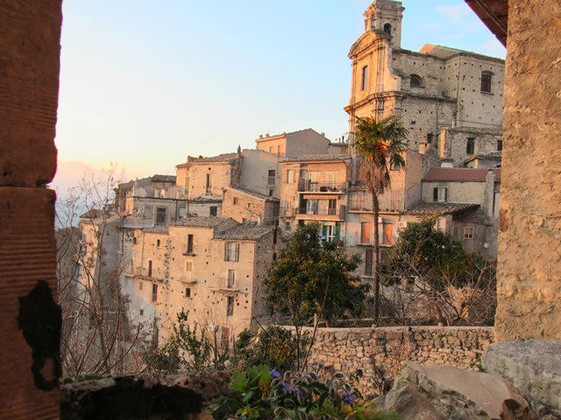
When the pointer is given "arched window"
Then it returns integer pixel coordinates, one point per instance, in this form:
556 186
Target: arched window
388 30
416 81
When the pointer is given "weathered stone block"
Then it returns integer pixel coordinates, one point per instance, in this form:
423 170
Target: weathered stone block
28 315
29 69
533 367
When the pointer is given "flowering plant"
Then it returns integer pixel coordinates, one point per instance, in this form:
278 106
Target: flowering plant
263 394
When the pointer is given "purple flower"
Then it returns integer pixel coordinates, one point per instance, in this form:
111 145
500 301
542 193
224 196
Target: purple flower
348 398
287 388
275 374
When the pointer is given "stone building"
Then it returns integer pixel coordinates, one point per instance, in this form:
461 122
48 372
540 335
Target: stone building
149 201
297 143
314 188
448 99
466 204
202 181
210 267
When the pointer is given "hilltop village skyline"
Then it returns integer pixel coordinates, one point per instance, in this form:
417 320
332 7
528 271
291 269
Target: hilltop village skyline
121 119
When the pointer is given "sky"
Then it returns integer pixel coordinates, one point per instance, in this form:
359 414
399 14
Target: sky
144 83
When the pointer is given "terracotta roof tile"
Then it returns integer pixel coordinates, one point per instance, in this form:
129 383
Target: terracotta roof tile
244 232
460 174
203 221
322 157
437 209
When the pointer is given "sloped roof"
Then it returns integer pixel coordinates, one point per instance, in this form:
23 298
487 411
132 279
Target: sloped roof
494 14
439 209
460 174
157 229
222 158
244 232
495 156
203 221
312 158
254 194
163 178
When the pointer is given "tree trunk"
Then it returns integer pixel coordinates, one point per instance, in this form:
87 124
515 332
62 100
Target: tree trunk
376 258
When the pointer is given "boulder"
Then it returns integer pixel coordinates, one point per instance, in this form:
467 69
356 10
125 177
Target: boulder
453 393
533 367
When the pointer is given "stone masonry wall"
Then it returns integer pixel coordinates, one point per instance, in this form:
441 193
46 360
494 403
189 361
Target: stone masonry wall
30 320
529 278
380 353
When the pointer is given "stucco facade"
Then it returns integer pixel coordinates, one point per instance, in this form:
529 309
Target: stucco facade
297 143
210 267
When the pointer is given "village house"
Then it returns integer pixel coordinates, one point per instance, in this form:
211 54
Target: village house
210 267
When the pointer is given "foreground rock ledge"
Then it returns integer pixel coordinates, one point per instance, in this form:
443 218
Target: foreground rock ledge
533 367
444 392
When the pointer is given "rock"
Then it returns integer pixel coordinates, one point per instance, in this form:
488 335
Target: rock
409 403
533 367
459 394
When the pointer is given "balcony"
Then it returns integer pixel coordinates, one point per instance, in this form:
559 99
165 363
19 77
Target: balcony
390 202
332 214
306 185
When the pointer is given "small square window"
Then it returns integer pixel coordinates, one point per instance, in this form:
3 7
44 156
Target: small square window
158 243
470 145
235 200
468 233
141 312
187 292
440 194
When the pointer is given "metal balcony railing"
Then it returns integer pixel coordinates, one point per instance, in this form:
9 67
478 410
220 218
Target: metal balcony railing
306 185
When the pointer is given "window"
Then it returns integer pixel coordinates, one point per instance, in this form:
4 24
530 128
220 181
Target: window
231 278
430 138
312 206
232 251
365 232
187 292
141 312
154 293
499 145
230 306
190 244
330 232
158 243
148 212
368 257
364 79
468 233
387 233
161 215
181 212
208 184
388 30
289 176
235 200
332 207
440 194
470 145
213 211
149 268
415 81
134 240
271 177
486 79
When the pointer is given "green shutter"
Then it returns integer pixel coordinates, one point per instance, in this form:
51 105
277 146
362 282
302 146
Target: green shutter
337 230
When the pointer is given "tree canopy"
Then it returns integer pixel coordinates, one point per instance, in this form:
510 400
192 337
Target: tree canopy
310 278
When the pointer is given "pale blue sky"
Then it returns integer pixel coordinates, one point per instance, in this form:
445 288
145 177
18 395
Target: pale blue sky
144 83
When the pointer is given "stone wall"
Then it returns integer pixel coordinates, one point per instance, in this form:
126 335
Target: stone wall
380 353
29 317
529 279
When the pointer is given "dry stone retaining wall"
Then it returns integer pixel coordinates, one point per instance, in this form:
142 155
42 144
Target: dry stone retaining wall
380 353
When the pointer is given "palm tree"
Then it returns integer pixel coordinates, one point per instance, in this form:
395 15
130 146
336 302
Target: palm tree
380 145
